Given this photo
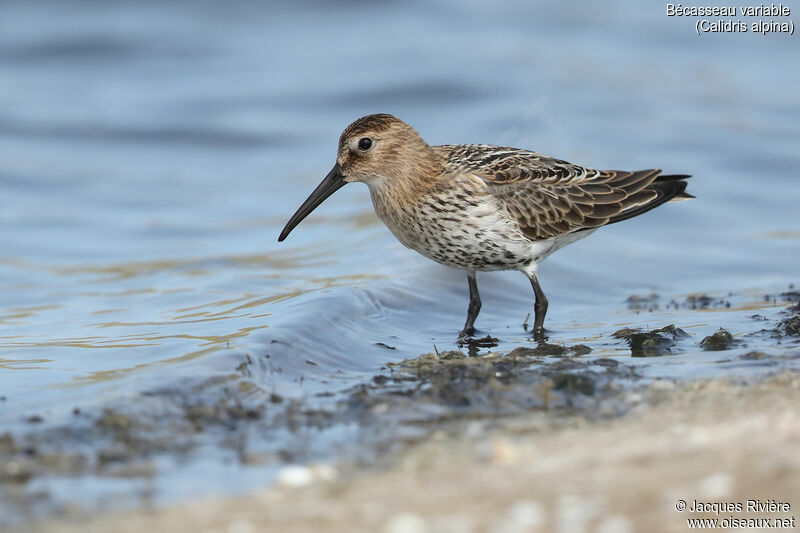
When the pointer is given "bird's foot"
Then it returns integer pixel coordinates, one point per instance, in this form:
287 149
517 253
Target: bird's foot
466 333
539 335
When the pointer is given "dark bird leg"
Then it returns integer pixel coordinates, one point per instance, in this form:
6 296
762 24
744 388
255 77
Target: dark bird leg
540 309
474 305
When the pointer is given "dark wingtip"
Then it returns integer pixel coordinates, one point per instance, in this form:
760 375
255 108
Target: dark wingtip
673 177
678 191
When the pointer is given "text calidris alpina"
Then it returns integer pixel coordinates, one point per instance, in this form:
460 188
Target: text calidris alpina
479 207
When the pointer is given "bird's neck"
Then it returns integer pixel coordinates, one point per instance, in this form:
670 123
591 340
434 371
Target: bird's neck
407 184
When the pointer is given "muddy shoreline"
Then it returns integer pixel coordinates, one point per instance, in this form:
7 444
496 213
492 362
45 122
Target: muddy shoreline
462 399
711 440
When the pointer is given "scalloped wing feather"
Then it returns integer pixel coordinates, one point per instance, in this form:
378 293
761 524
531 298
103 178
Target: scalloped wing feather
548 197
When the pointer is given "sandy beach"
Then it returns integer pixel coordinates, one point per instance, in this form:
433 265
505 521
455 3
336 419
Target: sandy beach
710 441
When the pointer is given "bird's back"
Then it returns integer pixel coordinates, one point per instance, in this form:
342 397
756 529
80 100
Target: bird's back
548 197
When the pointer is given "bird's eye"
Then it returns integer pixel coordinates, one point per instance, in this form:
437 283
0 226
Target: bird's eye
364 144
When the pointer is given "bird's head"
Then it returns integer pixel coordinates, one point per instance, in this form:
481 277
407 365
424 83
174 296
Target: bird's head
380 150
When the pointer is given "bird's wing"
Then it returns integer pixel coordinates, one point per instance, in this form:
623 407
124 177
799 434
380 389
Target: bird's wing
548 197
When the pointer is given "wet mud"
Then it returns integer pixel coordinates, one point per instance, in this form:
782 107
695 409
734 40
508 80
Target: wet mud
651 343
719 341
362 423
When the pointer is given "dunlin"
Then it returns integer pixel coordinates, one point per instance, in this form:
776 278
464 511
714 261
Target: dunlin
479 207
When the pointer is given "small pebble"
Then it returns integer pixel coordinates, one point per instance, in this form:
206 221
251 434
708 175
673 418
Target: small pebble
719 485
503 451
615 524
522 517
241 525
295 476
12 469
405 523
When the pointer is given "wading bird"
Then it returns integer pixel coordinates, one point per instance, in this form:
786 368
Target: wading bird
480 207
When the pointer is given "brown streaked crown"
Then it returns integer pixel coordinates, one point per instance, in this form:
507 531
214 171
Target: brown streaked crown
376 123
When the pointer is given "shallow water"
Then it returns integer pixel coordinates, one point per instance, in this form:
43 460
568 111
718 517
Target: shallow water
150 154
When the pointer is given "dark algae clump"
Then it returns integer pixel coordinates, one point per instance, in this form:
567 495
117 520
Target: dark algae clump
544 376
540 350
790 326
638 302
651 343
580 349
721 340
755 355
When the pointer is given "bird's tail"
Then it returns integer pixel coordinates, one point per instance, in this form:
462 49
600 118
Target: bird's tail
669 188
682 195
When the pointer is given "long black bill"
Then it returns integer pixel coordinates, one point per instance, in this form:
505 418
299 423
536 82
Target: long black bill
330 184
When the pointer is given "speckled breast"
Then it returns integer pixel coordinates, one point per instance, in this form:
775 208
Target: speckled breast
457 229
